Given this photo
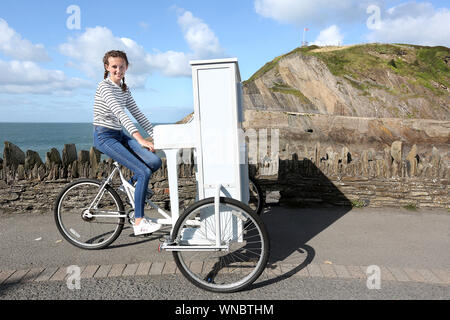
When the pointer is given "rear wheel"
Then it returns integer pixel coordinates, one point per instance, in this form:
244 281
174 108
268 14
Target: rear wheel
256 201
242 232
84 227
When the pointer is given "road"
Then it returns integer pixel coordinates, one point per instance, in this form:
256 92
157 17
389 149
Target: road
315 254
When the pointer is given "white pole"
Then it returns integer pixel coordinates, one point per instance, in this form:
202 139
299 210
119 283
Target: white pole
217 214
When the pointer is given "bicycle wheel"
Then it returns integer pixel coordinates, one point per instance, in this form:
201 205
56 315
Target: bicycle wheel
256 201
85 228
241 229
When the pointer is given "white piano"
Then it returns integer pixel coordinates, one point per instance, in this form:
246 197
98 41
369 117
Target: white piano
215 134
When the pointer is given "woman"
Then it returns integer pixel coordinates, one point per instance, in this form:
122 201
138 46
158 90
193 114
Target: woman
137 154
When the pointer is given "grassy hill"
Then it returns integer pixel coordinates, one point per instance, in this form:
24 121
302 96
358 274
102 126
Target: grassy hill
426 66
388 80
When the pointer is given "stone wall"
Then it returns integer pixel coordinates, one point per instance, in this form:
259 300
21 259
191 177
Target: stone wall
330 177
29 185
321 176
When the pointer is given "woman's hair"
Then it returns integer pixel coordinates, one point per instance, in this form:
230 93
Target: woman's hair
115 54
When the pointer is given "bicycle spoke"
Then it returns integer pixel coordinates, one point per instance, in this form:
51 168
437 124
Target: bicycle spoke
86 227
223 270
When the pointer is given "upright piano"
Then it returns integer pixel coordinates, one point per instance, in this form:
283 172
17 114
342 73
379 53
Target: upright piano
215 134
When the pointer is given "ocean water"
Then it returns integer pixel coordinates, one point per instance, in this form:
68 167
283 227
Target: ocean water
41 137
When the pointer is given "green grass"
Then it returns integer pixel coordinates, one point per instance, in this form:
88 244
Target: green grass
357 84
392 63
286 89
357 203
431 66
411 207
272 64
427 63
353 61
420 66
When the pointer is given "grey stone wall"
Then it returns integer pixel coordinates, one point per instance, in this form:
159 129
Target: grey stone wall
324 175
321 176
29 185
362 182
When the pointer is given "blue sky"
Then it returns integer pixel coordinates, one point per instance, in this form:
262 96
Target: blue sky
50 67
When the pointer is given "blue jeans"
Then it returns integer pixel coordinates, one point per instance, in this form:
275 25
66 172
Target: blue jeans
129 153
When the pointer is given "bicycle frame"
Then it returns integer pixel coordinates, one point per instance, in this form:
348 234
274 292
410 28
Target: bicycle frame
167 220
129 190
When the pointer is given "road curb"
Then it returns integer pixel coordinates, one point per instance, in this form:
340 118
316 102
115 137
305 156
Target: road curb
327 271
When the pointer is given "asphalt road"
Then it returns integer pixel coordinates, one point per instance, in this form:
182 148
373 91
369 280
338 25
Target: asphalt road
391 237
396 238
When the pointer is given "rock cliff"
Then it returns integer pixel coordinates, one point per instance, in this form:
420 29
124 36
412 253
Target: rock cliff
358 97
373 80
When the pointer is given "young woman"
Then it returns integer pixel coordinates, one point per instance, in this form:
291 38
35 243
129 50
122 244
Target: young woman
137 154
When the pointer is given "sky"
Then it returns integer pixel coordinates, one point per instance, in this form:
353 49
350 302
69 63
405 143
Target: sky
51 51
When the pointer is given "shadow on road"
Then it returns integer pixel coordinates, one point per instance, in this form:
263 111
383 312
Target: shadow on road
157 236
319 204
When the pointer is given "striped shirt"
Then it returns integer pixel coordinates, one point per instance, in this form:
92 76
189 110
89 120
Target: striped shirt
109 109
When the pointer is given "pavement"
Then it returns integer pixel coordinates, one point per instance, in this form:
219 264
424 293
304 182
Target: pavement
324 243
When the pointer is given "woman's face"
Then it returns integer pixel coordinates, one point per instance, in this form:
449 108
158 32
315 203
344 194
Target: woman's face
116 68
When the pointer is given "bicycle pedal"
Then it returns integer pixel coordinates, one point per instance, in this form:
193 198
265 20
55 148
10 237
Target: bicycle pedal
167 242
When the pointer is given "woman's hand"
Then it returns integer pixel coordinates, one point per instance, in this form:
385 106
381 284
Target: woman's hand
144 142
147 145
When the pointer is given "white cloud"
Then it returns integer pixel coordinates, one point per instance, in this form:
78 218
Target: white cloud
318 12
28 77
411 9
13 45
200 38
88 49
415 23
23 74
171 63
408 22
330 36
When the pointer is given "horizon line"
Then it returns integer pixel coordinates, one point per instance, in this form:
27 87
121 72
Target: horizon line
71 122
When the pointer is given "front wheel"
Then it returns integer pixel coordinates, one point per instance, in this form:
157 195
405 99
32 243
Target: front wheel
242 233
88 218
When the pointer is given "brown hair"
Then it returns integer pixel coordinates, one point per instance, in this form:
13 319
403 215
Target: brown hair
115 54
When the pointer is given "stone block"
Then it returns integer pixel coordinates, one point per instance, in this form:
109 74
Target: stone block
69 154
396 151
52 158
32 159
13 156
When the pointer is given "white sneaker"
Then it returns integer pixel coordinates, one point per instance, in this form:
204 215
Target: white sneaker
146 226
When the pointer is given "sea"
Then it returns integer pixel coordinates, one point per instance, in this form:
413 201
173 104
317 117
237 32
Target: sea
41 137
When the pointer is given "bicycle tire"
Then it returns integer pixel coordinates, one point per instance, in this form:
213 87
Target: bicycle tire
256 201
224 266
77 205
